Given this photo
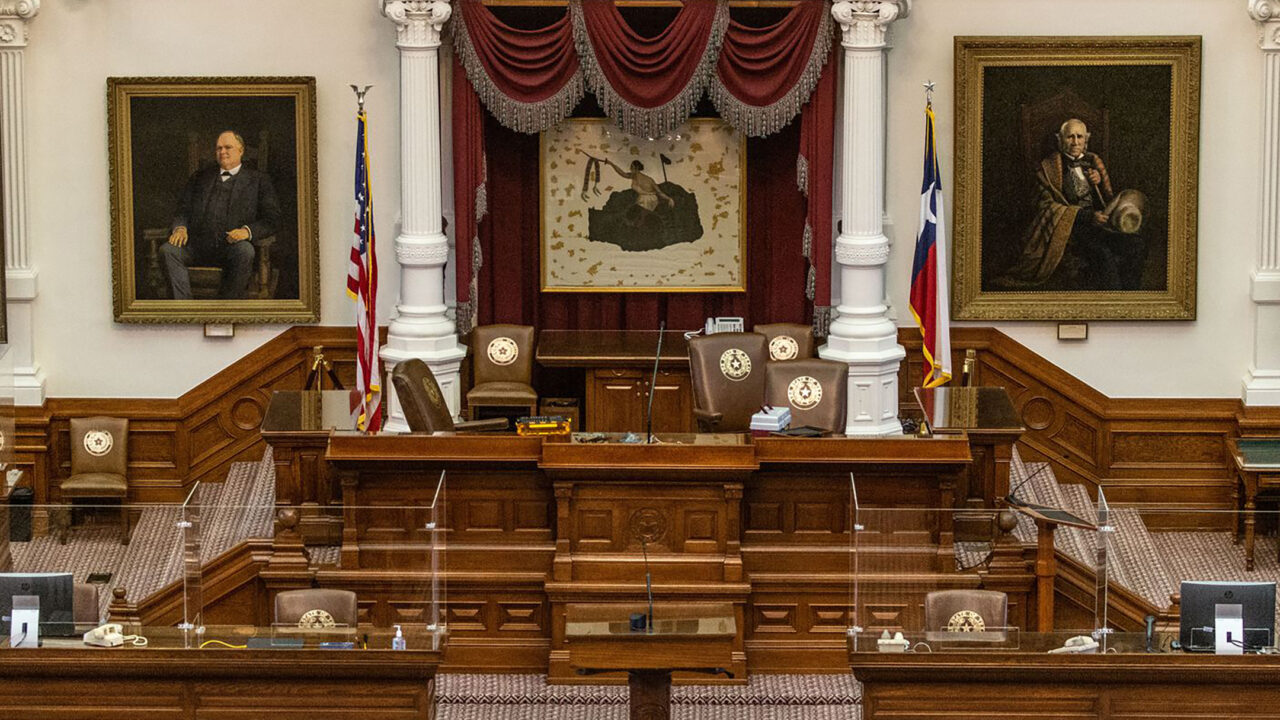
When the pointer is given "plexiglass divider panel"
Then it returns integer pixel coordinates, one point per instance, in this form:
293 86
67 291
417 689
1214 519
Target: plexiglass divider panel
1102 544
189 523
438 527
855 529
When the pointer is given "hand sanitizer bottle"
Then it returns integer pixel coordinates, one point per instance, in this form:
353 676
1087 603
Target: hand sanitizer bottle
397 642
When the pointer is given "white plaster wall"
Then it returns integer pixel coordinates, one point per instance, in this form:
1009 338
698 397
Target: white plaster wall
1207 357
75 46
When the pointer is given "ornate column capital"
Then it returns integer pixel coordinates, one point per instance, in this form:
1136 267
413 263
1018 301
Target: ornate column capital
1267 14
14 15
865 22
419 22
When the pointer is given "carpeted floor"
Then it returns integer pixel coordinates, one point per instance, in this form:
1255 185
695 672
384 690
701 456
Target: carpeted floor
234 510
764 697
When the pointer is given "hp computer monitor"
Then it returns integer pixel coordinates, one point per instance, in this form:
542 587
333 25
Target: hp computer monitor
1200 601
56 593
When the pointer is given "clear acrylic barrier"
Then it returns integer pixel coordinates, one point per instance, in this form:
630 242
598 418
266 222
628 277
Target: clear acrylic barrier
180 562
192 566
1122 569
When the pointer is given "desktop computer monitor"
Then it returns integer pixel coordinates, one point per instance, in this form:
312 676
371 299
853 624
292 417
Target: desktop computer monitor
56 593
1200 601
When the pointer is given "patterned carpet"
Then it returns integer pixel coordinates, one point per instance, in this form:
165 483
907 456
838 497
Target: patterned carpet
764 697
234 510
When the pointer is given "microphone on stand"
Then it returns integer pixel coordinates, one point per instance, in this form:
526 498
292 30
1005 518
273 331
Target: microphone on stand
648 585
648 413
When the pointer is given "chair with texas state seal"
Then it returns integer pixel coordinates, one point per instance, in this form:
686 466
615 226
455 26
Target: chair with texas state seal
99 466
502 367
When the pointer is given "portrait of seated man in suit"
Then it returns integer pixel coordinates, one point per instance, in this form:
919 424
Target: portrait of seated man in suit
1085 235
222 211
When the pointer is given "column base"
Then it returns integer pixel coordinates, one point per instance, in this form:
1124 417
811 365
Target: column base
873 389
28 386
445 362
1261 388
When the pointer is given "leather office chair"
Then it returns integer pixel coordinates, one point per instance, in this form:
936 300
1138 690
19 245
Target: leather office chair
84 604
423 403
316 608
728 374
961 611
787 341
815 390
502 363
99 463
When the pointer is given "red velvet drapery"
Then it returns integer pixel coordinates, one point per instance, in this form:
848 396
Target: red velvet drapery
529 80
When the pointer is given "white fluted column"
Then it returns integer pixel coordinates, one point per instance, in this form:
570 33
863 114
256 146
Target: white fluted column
20 275
420 328
1262 383
863 335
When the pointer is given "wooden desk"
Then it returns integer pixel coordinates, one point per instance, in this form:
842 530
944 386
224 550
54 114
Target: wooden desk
167 680
618 368
536 525
1029 684
1257 469
987 416
691 637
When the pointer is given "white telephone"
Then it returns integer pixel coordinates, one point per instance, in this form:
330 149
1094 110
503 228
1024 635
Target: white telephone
724 324
1078 644
109 635
112 635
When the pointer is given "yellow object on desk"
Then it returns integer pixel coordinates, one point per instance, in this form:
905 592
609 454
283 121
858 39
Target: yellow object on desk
543 425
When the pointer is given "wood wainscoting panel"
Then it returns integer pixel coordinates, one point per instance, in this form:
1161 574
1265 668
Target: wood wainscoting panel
1166 456
176 442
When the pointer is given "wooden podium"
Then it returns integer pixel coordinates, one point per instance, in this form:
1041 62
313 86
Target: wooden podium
692 637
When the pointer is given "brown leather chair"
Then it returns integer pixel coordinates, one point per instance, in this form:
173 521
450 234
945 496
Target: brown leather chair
316 608
787 341
816 391
965 611
423 403
99 463
84 604
728 373
502 368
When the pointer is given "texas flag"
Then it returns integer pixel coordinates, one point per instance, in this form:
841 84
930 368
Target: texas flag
929 287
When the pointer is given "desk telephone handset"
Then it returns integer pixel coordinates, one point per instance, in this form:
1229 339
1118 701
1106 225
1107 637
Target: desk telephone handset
112 635
1078 644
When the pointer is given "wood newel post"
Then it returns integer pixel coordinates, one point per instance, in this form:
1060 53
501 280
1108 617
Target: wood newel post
1046 571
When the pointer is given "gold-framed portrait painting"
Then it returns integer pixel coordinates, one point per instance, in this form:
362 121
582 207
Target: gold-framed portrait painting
213 199
629 214
1077 162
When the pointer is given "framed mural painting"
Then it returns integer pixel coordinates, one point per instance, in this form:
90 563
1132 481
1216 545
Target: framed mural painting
627 214
1076 178
213 200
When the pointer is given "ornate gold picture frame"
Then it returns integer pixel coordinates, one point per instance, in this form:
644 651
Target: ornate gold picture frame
1077 164
621 213
191 243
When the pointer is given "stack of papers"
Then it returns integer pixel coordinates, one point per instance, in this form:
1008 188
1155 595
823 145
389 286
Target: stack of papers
771 419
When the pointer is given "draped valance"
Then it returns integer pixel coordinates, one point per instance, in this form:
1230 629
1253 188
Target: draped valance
757 77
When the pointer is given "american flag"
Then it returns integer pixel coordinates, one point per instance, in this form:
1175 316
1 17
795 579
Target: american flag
929 288
362 286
